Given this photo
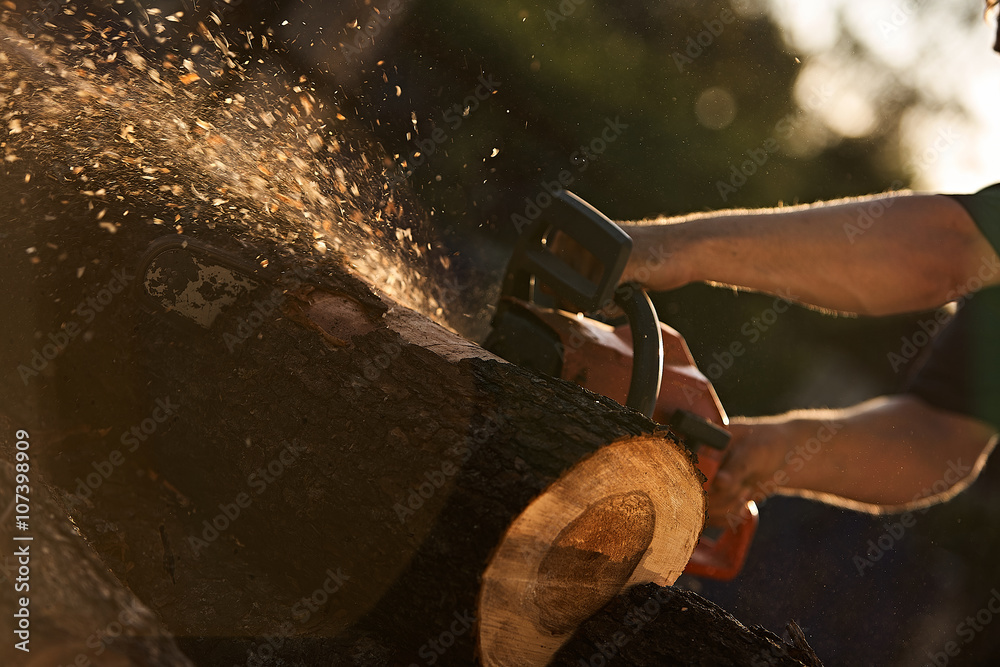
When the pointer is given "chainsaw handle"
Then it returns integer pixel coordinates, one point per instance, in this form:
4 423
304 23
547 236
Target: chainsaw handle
532 263
720 553
721 556
647 347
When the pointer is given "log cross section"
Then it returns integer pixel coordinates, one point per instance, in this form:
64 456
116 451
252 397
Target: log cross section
628 514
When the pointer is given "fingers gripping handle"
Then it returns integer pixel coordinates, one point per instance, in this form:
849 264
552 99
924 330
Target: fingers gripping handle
722 556
720 553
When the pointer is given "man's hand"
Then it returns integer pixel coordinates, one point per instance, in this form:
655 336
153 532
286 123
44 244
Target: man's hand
751 468
887 454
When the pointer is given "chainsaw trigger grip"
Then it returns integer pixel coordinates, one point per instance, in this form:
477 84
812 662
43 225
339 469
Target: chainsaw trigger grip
698 431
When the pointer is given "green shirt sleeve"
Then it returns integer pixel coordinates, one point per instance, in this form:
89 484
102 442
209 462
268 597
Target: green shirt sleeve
984 207
962 372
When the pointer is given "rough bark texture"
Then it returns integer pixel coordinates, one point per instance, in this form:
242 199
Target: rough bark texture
77 610
651 626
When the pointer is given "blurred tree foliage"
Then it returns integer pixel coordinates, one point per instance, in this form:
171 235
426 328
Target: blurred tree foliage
564 68
671 72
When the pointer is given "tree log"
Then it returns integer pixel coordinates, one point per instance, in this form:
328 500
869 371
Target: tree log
76 611
651 626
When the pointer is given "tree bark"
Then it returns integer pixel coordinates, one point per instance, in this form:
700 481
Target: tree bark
650 626
69 607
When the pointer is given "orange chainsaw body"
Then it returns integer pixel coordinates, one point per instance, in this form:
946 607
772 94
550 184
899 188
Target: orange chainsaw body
646 366
599 357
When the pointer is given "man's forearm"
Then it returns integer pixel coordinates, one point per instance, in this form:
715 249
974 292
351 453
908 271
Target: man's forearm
887 452
890 253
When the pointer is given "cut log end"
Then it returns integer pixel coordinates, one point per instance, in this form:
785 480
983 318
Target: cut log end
630 513
592 558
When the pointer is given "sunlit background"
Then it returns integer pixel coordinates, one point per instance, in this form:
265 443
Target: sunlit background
942 50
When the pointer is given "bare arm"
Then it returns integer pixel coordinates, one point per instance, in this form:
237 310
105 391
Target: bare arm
882 455
876 255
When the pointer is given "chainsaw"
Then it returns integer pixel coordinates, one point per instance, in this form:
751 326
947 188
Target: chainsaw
644 364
